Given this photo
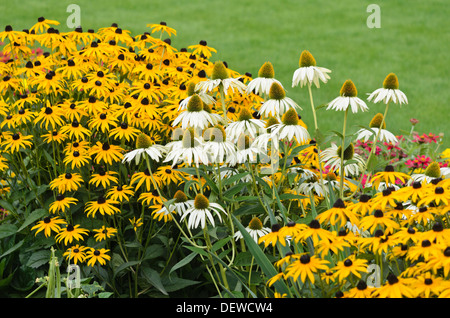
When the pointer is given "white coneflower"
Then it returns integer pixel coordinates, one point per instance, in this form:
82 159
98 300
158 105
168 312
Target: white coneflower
308 72
220 76
255 228
290 129
264 138
181 203
246 152
348 97
389 92
332 157
245 124
262 83
206 98
376 129
217 146
189 150
144 146
278 103
432 172
194 116
201 211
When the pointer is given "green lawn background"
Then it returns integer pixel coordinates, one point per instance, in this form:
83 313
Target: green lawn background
413 42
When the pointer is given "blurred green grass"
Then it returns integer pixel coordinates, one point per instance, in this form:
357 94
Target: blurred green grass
413 42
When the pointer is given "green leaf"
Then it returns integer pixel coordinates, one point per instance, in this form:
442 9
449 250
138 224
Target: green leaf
124 266
34 216
261 259
38 259
12 249
219 244
176 283
183 262
7 230
234 178
154 279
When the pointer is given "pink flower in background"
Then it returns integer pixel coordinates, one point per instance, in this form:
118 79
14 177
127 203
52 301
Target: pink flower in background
414 121
418 162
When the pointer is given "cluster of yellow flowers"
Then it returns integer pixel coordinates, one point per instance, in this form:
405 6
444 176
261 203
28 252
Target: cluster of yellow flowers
77 119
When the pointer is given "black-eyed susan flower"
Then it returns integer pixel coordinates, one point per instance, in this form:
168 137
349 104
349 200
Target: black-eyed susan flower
389 92
162 27
202 49
102 122
338 215
348 266
428 285
362 207
424 250
413 192
75 131
49 225
67 182
348 98
71 233
315 232
423 215
106 153
389 176
361 290
438 233
378 220
104 233
54 136
305 268
407 235
95 256
124 132
436 195
104 178
202 211
76 254
143 178
42 25
15 142
384 199
395 287
308 72
167 174
102 205
136 223
61 204
120 193
50 117
76 159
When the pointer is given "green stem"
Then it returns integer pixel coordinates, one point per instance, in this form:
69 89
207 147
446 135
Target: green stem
342 171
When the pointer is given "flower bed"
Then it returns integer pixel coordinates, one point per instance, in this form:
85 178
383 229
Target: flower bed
151 171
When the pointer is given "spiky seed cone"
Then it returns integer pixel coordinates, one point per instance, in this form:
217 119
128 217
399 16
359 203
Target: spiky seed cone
348 89
243 142
290 117
433 170
276 91
195 104
376 121
143 141
201 202
266 70
219 71
180 197
348 152
216 133
271 121
391 81
191 89
245 114
306 59
255 224
207 108
331 176
188 140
